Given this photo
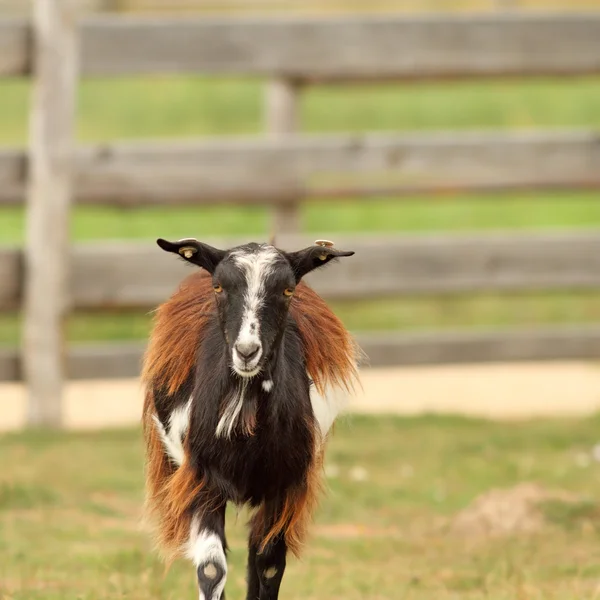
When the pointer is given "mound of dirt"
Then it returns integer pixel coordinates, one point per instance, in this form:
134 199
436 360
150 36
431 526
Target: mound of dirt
507 511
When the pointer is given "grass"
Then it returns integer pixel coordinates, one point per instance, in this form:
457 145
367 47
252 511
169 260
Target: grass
72 532
157 107
450 214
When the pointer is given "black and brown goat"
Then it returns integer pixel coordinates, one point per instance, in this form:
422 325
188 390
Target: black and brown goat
237 373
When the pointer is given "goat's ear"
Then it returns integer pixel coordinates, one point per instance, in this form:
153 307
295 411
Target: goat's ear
304 261
194 252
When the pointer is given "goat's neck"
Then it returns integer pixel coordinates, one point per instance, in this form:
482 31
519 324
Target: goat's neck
287 365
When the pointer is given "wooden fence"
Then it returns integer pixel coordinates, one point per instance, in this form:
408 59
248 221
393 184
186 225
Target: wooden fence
284 168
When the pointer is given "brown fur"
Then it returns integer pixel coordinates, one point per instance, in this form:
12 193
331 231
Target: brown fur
177 333
331 356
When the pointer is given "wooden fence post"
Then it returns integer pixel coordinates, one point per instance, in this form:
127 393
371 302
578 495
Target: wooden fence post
49 197
282 119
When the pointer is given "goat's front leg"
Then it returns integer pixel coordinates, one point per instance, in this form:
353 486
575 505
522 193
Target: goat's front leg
206 548
266 568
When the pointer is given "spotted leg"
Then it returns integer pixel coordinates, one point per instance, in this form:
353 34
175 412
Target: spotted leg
206 548
266 568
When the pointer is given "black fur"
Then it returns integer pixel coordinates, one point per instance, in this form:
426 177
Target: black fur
253 468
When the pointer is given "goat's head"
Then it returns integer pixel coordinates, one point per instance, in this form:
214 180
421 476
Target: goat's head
253 287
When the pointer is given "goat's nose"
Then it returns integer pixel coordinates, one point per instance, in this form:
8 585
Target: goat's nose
247 350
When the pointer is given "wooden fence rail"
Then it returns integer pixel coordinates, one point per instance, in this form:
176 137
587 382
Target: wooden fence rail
330 49
280 170
133 275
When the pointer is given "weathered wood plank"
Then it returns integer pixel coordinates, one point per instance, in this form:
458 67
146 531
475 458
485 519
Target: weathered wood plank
330 49
133 275
107 361
457 264
227 169
348 48
10 365
13 168
52 120
11 278
15 47
272 171
552 343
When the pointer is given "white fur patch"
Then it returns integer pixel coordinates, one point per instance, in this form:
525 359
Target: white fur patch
270 572
204 546
267 385
179 422
256 266
232 411
326 408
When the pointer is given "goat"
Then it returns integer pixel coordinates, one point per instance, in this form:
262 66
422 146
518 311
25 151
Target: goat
236 374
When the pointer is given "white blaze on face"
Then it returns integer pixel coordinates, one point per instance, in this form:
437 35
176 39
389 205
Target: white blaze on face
256 267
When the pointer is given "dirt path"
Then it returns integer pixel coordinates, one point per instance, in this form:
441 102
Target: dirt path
495 391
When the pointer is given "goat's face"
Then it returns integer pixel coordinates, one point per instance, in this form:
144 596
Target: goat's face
253 287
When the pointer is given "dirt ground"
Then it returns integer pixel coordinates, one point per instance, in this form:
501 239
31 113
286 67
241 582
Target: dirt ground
499 391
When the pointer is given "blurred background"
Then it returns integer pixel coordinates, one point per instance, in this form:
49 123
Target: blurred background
454 146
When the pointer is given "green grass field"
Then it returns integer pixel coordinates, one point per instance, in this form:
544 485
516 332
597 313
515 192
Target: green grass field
70 506
189 107
156 107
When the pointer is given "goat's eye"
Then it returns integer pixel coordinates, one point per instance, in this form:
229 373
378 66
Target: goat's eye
218 289
288 292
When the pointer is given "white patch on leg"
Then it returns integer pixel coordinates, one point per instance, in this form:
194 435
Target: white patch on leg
270 572
256 266
204 546
179 422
